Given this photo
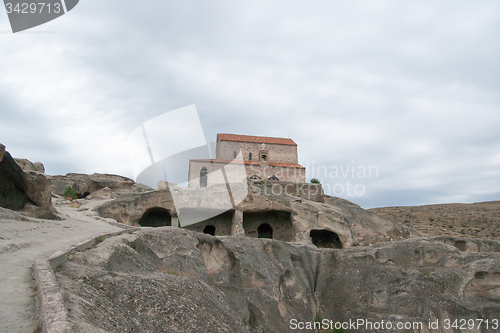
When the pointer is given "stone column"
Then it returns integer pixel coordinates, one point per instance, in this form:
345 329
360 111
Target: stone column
237 226
175 221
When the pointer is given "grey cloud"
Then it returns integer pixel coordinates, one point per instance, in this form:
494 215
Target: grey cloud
409 87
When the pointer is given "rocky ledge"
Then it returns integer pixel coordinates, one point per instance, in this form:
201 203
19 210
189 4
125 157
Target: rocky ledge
292 218
173 280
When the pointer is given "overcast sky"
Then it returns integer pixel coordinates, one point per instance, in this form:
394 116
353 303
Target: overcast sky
408 88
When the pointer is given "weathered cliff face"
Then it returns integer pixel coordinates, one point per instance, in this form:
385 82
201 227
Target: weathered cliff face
416 280
173 280
27 191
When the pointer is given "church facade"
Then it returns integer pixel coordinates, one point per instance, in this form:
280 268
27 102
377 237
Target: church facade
242 157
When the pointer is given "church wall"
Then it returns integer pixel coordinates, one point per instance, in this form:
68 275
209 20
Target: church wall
214 176
294 175
234 173
275 153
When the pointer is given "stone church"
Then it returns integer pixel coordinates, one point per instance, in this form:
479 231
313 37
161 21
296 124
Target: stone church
242 157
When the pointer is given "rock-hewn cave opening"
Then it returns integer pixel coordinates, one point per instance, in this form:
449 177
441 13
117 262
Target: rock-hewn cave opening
279 222
265 231
325 239
461 245
209 229
221 223
155 217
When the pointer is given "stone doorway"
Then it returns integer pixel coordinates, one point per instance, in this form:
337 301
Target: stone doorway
209 229
265 231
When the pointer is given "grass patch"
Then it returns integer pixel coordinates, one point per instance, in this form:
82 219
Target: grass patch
99 239
168 271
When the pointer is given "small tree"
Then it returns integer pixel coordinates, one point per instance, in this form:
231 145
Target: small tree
70 193
315 181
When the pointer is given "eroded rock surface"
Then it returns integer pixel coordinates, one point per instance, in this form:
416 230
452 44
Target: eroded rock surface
173 280
292 218
27 165
411 281
87 184
20 190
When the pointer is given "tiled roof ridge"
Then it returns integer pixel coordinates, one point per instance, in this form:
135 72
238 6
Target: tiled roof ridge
285 165
254 139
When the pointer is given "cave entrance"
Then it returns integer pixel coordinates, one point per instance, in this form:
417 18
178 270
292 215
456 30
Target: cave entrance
278 224
325 239
461 245
209 221
155 217
265 231
209 229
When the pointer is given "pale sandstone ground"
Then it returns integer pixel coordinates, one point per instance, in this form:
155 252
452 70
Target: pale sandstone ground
174 280
22 240
478 220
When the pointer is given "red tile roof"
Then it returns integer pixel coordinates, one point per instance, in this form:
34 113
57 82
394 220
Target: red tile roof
227 162
285 165
255 139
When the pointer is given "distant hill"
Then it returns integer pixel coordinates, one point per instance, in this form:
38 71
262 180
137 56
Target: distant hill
477 220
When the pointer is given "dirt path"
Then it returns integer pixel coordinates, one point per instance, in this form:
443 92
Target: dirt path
22 240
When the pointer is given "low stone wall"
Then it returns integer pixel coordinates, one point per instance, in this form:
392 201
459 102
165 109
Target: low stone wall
308 191
50 304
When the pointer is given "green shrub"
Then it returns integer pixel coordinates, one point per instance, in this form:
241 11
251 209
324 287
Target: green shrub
314 181
99 239
70 193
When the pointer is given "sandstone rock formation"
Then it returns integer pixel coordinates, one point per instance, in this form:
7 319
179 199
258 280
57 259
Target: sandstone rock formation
86 184
173 280
23 190
291 217
27 165
104 193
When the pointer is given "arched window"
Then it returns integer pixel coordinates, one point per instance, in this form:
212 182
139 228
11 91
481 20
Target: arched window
273 177
209 229
250 156
255 177
234 155
265 231
203 177
264 157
